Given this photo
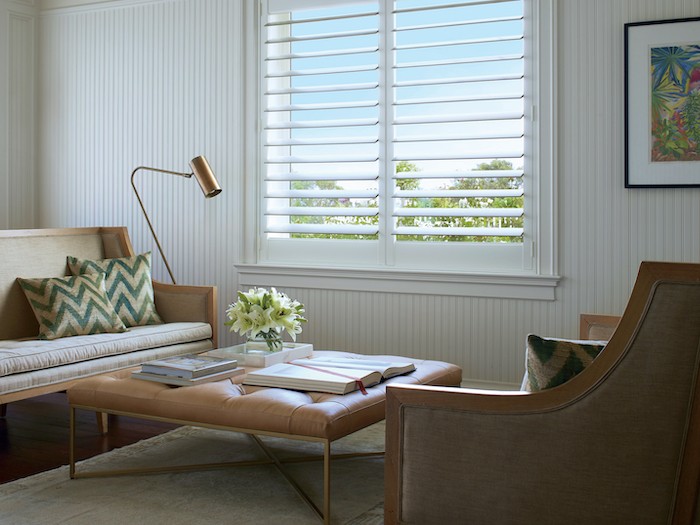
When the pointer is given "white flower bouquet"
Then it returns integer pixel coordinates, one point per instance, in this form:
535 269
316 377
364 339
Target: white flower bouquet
264 314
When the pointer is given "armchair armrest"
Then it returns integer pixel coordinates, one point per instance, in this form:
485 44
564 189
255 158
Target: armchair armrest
178 303
427 476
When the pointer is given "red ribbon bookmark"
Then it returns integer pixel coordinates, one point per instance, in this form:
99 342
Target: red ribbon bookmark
357 380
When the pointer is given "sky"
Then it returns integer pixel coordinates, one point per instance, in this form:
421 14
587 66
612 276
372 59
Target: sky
456 139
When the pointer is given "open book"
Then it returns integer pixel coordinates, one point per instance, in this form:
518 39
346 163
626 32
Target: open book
386 368
332 375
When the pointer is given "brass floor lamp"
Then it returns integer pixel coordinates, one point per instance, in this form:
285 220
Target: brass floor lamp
206 179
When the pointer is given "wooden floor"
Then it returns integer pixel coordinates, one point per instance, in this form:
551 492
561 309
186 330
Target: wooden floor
34 435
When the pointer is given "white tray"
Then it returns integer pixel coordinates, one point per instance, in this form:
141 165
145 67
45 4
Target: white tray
263 358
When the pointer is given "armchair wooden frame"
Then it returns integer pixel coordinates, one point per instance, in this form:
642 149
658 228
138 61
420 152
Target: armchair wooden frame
503 421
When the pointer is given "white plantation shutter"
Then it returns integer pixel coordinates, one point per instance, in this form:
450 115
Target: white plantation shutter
379 119
322 91
458 102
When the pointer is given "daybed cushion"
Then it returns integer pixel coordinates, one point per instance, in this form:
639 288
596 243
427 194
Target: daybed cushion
69 306
28 355
553 361
128 283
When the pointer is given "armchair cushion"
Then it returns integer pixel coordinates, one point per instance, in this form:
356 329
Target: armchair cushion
66 306
129 286
552 362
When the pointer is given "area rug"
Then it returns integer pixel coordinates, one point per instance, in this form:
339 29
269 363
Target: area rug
240 495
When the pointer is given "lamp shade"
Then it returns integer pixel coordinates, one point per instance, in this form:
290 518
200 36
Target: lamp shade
205 177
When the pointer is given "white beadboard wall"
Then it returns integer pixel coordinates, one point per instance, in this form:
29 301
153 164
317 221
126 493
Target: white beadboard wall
128 84
18 35
156 83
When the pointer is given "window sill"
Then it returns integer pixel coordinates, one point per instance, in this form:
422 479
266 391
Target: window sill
506 286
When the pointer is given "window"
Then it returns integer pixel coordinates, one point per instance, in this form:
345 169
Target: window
398 135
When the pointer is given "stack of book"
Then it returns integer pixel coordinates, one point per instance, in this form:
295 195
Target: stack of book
187 370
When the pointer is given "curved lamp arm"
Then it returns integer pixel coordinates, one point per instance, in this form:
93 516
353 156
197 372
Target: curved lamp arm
207 182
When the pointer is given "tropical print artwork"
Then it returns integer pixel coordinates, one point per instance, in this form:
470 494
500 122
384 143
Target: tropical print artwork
675 103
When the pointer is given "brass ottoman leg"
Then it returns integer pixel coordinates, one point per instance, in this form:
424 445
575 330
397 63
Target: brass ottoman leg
327 482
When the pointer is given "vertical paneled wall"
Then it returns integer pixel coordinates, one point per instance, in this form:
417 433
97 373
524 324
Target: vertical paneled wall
157 83
18 22
4 122
152 84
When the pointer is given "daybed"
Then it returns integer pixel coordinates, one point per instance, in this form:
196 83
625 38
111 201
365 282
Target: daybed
30 366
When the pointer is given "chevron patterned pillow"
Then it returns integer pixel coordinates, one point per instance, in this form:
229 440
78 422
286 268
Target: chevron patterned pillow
552 362
129 286
66 306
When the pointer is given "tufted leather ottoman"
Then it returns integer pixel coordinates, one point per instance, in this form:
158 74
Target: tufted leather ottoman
227 404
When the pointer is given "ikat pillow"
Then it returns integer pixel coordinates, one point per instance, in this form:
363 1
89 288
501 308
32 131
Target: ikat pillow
66 306
552 362
129 286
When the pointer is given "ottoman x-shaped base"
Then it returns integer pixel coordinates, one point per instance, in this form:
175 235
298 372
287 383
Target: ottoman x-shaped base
323 513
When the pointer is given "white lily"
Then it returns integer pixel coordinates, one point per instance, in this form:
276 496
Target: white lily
266 313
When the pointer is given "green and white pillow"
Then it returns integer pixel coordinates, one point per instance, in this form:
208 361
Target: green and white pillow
129 286
66 306
551 362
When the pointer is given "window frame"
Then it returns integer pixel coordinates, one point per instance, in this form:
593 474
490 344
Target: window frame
536 282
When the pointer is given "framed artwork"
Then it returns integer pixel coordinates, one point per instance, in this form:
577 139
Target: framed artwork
662 103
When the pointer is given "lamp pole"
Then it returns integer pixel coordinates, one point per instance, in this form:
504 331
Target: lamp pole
207 182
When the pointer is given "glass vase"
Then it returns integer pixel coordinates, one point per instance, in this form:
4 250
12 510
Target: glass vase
264 343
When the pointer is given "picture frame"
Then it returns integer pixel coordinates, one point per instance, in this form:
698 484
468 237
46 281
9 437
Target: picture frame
662 103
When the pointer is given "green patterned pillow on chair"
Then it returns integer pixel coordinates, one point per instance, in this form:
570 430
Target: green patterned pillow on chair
66 306
552 362
129 286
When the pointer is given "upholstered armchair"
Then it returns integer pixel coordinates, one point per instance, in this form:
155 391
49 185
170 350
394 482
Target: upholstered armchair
618 443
